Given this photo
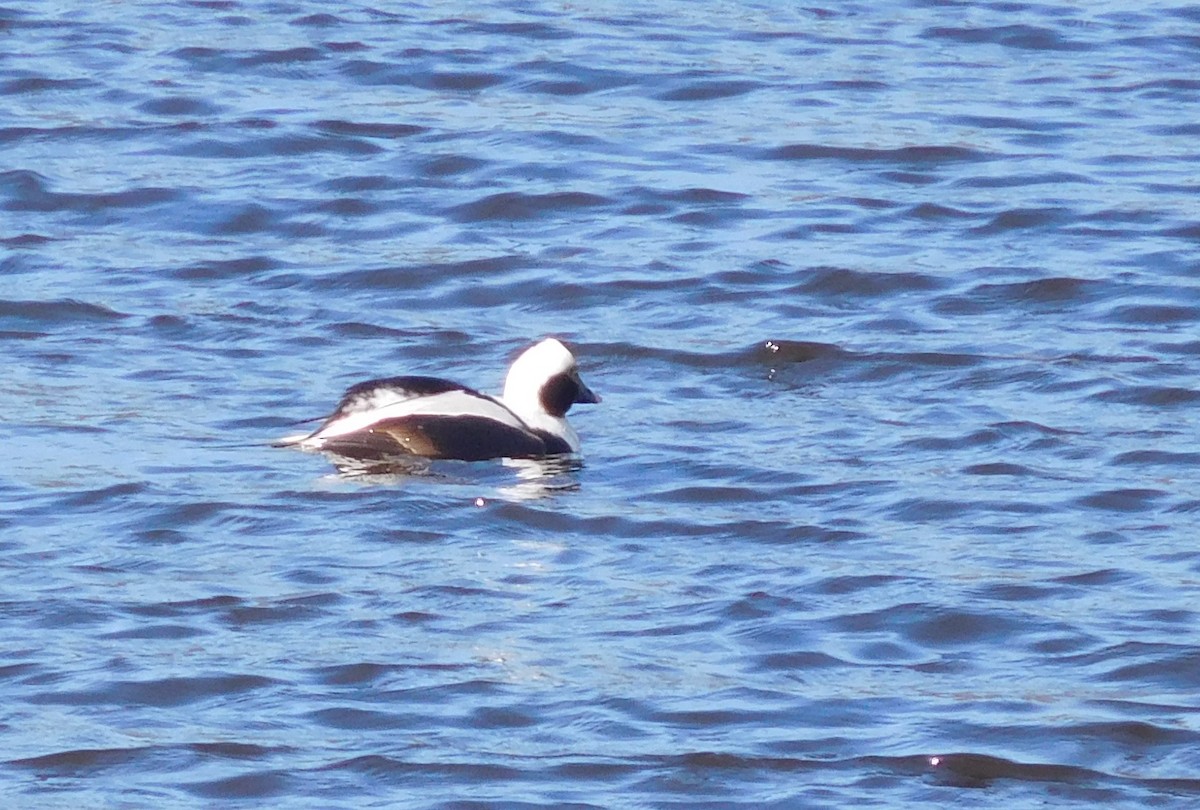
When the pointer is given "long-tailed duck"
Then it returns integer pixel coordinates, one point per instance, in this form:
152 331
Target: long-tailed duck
435 418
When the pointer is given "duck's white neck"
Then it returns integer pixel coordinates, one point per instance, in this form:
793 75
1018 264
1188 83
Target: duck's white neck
523 388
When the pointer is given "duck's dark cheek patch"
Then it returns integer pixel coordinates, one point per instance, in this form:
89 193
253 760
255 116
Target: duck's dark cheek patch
558 394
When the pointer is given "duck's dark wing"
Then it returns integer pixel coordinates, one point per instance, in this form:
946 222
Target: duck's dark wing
467 438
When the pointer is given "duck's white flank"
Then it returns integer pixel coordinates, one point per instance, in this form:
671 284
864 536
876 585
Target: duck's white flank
392 403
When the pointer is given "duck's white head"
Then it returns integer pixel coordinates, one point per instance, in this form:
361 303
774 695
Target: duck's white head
542 385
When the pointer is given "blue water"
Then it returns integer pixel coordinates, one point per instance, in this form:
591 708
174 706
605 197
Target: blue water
893 498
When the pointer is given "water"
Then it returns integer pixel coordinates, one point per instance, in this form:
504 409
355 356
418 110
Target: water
893 498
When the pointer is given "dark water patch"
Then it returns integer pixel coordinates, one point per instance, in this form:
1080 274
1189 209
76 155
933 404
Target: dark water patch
355 719
1185 45
161 693
156 632
25 240
356 674
220 269
318 20
456 81
1054 290
28 191
1155 314
206 59
179 106
909 178
42 84
1170 130
796 351
14 313
82 762
708 89
345 47
249 219
965 770
1025 180
406 771
1156 458
295 609
1191 232
752 357
449 165
1153 396
161 536
369 130
186 609
183 514
363 183
535 31
853 85
756 606
1124 500
837 282
1103 577
491 717
346 207
515 205
1161 666
66 613
705 494
800 661
276 146
1018 37
902 156
418 276
880 366
702 220
1022 219
372 73
850 584
258 785
356 330
643 201
564 78
746 530
283 56
931 212
1001 468
115 496
23 673
939 510
1134 734
1187 348
1010 122
1042 295
1016 592
937 628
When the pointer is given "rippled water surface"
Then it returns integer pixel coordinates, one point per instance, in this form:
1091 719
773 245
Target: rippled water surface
893 499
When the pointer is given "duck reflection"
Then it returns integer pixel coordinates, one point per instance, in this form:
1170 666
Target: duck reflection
536 477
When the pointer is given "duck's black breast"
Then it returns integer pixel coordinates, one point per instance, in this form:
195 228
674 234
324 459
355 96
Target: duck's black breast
555 445
466 438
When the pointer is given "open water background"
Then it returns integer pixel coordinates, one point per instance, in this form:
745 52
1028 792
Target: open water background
893 500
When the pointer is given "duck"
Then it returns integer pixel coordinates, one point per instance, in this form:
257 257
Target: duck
435 418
